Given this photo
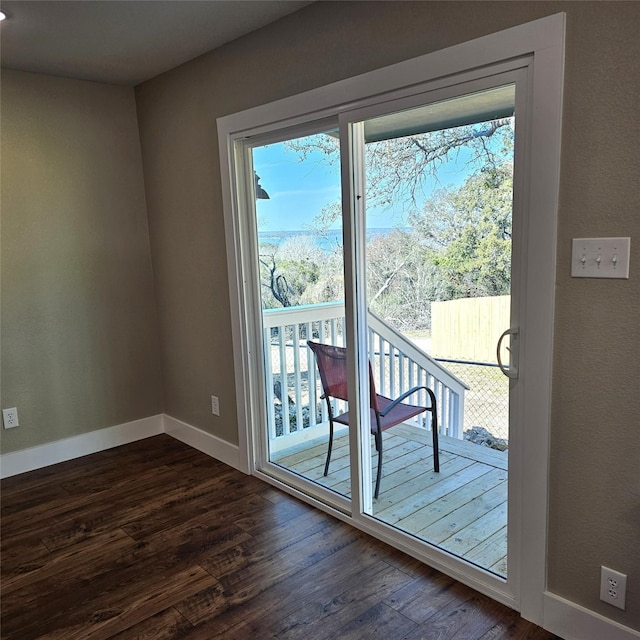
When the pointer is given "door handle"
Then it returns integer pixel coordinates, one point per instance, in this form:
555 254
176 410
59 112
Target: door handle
510 371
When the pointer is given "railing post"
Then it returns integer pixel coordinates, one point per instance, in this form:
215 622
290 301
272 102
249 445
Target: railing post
271 408
284 380
311 379
459 416
297 373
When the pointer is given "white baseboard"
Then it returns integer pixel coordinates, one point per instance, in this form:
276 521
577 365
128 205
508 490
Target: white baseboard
203 441
573 622
44 455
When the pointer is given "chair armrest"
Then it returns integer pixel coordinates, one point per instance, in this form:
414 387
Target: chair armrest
405 395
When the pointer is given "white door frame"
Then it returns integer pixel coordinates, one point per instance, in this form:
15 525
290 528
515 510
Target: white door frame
543 41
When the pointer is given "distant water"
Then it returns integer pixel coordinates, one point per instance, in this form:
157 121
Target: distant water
330 239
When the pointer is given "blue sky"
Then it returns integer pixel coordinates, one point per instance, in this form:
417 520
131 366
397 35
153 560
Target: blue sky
298 190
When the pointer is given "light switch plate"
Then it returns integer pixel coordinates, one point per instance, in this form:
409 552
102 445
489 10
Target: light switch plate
600 258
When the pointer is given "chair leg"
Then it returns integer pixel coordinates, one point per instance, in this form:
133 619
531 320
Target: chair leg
434 435
326 465
330 414
378 438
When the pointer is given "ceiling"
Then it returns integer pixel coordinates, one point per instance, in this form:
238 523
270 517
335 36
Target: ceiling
125 42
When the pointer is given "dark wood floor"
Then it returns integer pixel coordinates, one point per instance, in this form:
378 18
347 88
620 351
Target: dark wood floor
155 540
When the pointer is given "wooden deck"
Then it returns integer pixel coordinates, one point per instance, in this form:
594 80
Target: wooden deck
462 509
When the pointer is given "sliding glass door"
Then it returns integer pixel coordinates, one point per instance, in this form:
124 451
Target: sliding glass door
437 218
387 236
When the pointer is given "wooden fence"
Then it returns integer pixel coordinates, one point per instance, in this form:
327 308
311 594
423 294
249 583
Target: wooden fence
469 328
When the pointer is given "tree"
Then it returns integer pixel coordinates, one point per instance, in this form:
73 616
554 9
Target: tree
468 232
400 280
299 272
398 168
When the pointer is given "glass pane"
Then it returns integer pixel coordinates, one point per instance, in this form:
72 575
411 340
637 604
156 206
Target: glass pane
297 185
438 255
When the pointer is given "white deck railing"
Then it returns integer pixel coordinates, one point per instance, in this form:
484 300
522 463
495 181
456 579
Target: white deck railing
398 365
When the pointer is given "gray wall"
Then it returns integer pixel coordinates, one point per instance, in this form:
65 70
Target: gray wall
595 501
79 322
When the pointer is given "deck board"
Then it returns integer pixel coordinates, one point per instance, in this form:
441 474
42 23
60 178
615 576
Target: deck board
462 509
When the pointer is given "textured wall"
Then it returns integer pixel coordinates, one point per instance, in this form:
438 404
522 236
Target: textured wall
79 323
595 458
595 492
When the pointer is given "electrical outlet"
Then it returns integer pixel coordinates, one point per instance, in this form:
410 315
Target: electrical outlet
215 405
10 418
613 587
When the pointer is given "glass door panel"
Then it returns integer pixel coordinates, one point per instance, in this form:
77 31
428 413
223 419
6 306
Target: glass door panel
300 259
438 280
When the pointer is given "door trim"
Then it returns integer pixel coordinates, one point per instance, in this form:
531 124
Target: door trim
543 40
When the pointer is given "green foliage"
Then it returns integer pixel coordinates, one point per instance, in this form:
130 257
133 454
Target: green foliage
469 232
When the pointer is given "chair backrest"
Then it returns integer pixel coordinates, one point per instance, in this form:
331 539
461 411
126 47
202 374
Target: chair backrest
332 365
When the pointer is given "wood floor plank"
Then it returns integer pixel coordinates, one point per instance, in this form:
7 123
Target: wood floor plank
52 475
513 627
84 516
317 582
77 467
159 541
177 507
420 599
23 501
48 564
74 607
166 625
269 516
257 576
21 553
121 608
330 612
239 558
472 618
79 507
227 619
379 622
